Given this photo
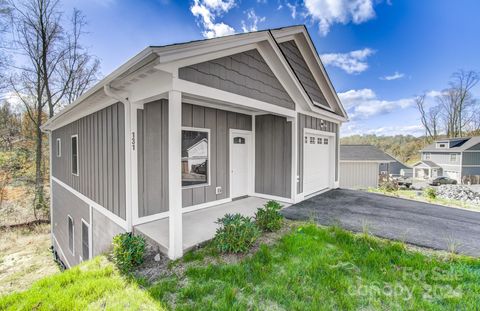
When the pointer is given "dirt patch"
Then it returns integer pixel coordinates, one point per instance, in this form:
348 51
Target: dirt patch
25 257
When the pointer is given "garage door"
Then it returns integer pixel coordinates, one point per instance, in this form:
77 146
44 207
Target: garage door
451 174
316 163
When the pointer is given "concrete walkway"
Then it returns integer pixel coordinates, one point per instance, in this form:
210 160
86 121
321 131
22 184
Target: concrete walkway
417 223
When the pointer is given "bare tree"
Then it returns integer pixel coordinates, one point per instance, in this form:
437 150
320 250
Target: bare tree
58 69
428 117
5 11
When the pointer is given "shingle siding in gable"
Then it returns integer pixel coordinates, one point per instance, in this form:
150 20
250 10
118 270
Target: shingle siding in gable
246 74
300 67
101 157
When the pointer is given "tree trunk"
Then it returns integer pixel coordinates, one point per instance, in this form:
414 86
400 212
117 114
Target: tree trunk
39 198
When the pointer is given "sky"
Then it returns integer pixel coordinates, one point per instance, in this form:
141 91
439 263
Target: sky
378 54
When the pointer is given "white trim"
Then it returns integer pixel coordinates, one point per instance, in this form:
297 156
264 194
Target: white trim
367 161
90 234
311 195
116 219
294 169
207 130
73 234
197 207
272 197
61 250
50 164
81 240
251 163
150 218
71 155
134 162
58 146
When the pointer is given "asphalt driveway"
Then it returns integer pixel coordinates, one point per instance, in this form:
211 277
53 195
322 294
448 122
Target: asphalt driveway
417 223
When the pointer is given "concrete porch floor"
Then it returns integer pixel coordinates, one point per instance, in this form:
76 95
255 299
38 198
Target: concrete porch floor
199 226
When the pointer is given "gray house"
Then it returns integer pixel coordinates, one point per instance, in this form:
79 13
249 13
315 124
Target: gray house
362 165
456 158
182 134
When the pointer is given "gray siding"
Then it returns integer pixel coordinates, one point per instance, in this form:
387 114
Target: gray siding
359 175
443 159
152 153
65 203
103 231
273 155
244 73
219 122
300 67
309 122
152 146
470 171
101 157
471 158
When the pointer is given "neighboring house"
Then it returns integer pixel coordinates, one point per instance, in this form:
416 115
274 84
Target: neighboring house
184 127
362 165
456 158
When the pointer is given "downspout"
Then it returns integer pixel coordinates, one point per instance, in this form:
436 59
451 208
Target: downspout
112 93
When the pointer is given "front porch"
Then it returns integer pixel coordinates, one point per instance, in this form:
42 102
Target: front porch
198 226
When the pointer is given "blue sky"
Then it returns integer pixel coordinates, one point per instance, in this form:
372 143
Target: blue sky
379 54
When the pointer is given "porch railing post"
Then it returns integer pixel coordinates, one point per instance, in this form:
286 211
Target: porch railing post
175 246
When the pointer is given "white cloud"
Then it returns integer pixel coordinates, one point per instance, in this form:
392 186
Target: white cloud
293 9
254 20
397 75
364 103
207 11
352 62
279 7
328 12
353 128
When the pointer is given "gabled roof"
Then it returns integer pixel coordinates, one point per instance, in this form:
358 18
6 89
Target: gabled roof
364 153
163 55
426 163
463 144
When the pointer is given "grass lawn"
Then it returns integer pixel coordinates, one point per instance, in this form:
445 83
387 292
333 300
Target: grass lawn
307 268
24 257
413 195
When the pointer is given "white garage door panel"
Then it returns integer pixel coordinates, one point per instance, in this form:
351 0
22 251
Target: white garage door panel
317 162
358 175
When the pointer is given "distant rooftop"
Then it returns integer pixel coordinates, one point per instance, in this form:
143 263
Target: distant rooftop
363 153
455 144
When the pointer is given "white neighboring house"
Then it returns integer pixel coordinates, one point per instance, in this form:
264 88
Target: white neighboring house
181 134
456 158
362 165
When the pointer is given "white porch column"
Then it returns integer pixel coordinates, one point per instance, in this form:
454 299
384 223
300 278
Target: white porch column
175 246
294 178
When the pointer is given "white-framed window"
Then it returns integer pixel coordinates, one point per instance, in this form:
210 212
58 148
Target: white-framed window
441 145
325 141
71 234
319 141
426 156
453 157
195 157
85 240
58 147
74 151
312 140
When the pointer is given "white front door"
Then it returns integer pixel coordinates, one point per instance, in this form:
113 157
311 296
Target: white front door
317 162
240 163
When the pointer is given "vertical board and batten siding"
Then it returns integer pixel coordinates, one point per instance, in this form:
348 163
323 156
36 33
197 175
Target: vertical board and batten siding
101 157
219 122
359 175
246 74
471 158
152 153
65 203
300 67
273 155
310 122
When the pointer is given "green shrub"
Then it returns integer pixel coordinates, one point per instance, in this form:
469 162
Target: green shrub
236 234
268 218
388 186
128 251
430 193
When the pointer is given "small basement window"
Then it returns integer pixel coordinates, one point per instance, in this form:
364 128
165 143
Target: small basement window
195 153
85 241
71 232
74 154
58 147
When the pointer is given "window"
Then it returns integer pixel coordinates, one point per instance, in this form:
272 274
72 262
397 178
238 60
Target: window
319 141
85 241
71 232
312 140
195 153
59 147
453 157
441 145
325 141
75 155
306 139
426 156
239 140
